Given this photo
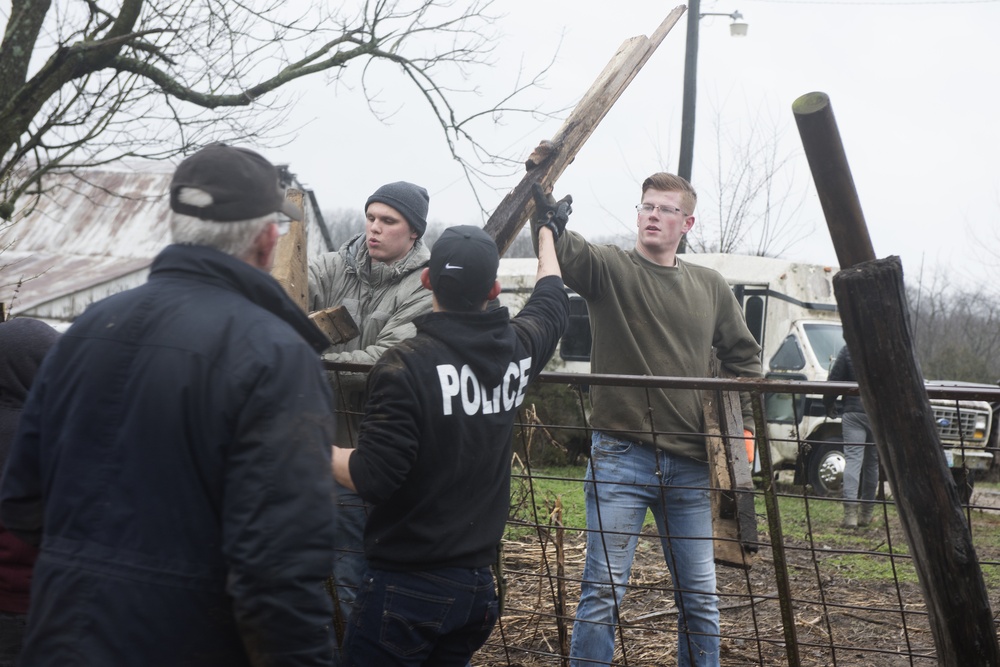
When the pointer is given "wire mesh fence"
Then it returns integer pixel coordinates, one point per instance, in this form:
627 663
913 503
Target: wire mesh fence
810 592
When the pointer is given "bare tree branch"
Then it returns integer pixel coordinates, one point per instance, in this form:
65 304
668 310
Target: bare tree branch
956 331
111 78
754 203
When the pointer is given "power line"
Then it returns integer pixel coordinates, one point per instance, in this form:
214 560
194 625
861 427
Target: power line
874 3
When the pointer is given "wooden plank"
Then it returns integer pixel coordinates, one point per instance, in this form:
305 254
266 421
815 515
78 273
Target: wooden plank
290 257
734 519
738 465
336 323
517 207
725 530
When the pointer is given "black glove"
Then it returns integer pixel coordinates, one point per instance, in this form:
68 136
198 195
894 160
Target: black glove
549 212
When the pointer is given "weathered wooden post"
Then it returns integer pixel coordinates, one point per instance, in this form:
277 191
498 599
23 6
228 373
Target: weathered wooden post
291 266
872 302
290 258
734 519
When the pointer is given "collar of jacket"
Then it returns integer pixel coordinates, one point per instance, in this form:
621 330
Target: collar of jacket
357 259
210 265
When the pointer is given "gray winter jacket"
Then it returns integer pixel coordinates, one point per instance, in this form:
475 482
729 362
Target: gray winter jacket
382 299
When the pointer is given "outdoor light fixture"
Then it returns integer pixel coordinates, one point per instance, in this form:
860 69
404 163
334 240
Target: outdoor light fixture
738 28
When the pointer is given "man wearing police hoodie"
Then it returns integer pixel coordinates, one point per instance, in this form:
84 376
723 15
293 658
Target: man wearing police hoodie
434 453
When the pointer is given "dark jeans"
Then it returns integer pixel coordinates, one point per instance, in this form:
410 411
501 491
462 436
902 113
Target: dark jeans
431 617
349 548
11 636
348 557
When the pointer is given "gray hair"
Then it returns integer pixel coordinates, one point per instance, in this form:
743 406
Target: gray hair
233 238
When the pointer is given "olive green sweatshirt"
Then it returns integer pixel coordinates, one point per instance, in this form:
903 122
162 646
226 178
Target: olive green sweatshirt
653 320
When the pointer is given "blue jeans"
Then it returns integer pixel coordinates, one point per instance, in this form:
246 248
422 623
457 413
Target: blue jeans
860 460
429 617
348 549
631 478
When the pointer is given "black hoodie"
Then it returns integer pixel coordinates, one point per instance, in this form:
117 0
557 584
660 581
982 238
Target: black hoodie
434 449
24 342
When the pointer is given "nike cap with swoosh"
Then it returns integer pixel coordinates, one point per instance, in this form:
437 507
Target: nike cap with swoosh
463 267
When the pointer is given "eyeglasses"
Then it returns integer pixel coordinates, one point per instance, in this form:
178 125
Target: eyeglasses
665 210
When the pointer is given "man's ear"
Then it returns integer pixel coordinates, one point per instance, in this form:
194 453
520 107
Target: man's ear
262 252
425 279
494 291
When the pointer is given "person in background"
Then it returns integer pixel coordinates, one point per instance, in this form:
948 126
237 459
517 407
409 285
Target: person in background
24 342
173 456
376 277
860 454
434 456
652 314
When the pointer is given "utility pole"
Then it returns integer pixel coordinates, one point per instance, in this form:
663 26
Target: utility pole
690 90
737 29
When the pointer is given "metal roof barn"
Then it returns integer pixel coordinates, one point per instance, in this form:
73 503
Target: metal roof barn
95 232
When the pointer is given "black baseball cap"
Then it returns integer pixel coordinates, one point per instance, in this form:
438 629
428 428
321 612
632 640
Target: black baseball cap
463 266
243 185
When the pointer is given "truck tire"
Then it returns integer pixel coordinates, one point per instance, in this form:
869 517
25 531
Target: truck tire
826 468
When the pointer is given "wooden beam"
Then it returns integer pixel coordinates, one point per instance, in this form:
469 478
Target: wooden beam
291 270
734 519
290 257
517 207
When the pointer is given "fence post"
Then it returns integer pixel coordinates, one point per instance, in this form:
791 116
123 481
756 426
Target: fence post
774 531
911 454
872 303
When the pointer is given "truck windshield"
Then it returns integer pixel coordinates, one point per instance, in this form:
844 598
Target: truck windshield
826 341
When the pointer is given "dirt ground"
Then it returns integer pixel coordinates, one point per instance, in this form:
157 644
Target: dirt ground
838 620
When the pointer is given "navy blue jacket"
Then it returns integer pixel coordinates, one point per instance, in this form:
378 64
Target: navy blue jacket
173 459
434 449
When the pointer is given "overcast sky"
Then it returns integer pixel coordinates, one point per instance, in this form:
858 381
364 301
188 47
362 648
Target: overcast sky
913 86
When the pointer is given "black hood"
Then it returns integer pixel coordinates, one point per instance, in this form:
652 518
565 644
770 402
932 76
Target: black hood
23 344
482 339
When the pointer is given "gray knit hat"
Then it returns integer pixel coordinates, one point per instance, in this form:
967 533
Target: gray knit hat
409 199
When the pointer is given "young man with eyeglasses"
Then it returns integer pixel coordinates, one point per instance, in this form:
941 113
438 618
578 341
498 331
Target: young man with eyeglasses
656 315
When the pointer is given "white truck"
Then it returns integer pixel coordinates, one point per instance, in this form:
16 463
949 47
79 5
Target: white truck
791 310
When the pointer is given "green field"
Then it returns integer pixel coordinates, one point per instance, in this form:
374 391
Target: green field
809 522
